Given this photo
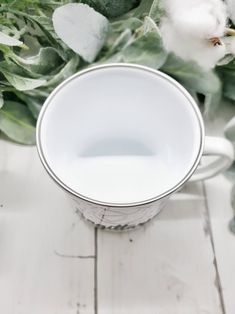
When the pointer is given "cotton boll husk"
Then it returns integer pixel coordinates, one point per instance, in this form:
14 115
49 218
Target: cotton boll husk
199 18
231 9
188 48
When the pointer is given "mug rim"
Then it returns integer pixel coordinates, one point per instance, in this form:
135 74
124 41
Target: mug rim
110 204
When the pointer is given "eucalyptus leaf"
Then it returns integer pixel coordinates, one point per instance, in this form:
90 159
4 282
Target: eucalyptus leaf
190 74
146 50
230 130
82 28
17 123
22 83
112 8
9 41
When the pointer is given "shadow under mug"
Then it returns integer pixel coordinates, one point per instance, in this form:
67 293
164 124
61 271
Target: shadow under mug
120 139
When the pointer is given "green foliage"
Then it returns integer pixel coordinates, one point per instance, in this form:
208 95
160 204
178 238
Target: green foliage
34 60
146 50
112 8
17 123
29 73
191 75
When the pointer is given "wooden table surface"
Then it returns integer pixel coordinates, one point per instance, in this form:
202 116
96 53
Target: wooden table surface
52 262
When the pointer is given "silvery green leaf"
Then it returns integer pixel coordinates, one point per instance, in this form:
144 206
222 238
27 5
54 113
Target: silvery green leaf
34 103
70 68
112 8
18 69
131 23
228 41
20 82
157 10
211 103
44 62
9 41
41 27
17 123
116 58
193 93
150 26
1 100
82 28
33 46
190 74
229 130
146 50
121 41
228 78
225 60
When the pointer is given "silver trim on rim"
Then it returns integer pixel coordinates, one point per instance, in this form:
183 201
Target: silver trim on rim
124 65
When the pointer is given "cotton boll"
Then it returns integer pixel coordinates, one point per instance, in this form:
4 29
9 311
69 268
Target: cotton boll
199 18
189 25
231 9
200 22
188 48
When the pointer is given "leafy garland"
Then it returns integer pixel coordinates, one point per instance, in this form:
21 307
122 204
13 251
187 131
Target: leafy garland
33 60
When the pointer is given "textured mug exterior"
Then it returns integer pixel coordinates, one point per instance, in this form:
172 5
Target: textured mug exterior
117 218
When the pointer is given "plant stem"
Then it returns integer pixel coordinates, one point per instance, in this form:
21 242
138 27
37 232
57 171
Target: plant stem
230 31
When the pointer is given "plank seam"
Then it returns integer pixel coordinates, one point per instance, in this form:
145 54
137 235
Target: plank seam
209 228
96 271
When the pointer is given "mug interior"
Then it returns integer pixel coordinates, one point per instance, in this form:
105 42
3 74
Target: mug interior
120 134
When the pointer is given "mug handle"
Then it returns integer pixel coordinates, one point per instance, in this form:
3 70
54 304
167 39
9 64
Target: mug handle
215 146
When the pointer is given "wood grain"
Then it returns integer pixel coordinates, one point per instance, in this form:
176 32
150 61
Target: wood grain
46 251
166 267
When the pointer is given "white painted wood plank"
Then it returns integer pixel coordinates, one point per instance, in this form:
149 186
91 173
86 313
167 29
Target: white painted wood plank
165 267
218 200
218 191
46 252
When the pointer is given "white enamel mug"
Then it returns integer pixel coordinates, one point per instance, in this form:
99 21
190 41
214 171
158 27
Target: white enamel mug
120 139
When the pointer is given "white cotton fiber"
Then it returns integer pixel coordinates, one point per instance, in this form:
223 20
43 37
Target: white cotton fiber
188 27
199 18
